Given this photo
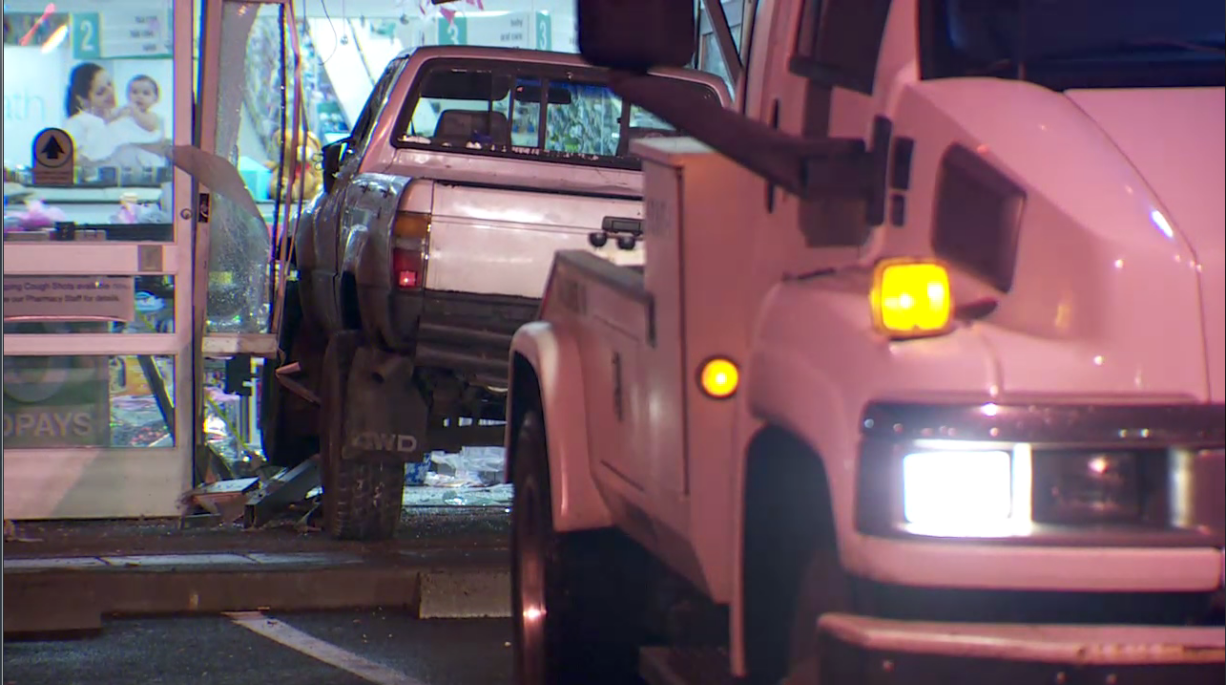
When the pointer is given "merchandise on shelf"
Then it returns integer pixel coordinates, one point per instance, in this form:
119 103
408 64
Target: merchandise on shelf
36 216
307 179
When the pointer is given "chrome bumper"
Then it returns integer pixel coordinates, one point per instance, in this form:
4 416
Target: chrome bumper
872 651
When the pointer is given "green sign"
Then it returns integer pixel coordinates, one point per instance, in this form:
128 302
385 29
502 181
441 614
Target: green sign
56 402
544 31
454 32
86 36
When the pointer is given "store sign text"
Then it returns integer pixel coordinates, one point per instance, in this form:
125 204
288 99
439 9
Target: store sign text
49 424
65 298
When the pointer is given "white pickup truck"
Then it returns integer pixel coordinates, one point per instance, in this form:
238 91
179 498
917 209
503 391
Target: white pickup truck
466 170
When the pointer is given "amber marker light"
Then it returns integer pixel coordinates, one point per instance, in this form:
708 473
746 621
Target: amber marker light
911 299
719 378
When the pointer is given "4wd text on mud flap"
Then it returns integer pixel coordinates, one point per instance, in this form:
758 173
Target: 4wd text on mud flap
385 442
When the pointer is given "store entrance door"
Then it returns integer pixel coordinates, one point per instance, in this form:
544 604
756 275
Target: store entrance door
97 259
248 96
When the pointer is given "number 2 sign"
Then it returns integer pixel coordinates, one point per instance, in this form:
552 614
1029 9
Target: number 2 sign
85 43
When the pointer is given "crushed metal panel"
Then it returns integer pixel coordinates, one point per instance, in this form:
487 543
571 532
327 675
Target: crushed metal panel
286 488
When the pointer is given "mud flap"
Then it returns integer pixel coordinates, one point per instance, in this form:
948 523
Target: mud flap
385 413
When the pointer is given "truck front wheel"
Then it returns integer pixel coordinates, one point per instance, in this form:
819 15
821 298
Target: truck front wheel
363 497
576 597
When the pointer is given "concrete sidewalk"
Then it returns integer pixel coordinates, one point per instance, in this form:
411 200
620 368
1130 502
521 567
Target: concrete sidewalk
69 580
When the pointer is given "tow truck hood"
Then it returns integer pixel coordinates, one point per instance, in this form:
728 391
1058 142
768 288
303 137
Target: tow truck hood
1175 140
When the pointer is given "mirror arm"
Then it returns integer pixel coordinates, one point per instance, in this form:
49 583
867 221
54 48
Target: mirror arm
755 146
808 168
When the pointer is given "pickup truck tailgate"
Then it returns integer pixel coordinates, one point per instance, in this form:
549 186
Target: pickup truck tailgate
502 241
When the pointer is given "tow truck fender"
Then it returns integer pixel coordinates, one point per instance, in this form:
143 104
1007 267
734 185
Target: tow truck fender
551 354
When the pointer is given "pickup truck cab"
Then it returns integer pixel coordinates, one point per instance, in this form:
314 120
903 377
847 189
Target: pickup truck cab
923 379
466 170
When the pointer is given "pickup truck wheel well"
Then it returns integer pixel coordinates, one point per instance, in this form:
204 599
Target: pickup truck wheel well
525 396
788 518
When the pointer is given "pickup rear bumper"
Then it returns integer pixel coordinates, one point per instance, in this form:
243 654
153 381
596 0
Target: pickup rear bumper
467 333
873 651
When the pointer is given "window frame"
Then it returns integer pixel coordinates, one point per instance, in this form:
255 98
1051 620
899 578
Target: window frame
358 139
835 28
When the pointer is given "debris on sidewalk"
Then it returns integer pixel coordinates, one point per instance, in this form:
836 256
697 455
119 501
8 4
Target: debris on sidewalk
275 496
470 478
291 498
473 467
225 500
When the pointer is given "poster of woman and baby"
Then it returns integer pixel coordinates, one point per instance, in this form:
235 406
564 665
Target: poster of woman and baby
118 112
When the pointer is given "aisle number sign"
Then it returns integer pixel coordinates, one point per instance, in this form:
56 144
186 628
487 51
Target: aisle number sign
85 42
544 31
453 30
531 30
122 34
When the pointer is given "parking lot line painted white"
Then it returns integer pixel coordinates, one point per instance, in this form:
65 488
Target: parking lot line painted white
320 650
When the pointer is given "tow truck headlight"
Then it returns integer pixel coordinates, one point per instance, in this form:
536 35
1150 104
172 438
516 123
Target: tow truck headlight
955 489
910 298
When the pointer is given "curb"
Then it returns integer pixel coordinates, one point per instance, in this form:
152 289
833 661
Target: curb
62 596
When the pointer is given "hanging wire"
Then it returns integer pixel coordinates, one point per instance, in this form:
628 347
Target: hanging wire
336 37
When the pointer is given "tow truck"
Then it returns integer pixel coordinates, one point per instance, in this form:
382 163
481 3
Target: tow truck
922 377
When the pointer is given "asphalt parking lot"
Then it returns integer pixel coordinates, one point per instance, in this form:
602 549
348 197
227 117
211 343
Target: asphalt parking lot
377 647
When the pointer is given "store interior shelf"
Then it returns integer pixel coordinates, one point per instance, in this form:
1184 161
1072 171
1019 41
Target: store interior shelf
81 195
229 344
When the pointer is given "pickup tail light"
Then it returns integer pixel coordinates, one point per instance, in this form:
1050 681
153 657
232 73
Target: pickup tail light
410 250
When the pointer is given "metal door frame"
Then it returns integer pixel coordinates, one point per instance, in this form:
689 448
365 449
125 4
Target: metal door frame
108 482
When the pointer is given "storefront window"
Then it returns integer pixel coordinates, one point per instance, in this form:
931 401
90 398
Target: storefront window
103 74
88 401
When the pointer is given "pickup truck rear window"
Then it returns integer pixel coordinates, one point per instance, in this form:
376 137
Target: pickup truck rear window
529 111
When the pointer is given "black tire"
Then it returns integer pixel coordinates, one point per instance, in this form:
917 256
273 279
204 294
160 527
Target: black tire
824 588
288 434
363 498
792 571
591 585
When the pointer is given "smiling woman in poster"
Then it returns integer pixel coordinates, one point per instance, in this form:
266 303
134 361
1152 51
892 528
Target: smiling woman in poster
105 134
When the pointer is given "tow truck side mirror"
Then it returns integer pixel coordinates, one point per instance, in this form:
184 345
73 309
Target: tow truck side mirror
636 35
334 154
